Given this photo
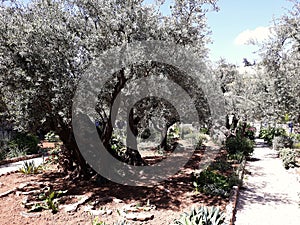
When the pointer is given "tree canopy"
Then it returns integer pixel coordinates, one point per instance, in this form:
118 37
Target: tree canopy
47 45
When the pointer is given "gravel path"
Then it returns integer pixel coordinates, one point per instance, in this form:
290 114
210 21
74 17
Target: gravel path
269 195
11 167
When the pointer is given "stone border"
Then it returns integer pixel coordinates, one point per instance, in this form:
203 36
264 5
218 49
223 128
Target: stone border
17 159
231 207
44 145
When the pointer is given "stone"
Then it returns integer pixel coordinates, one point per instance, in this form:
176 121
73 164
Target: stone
109 212
73 207
30 215
116 200
88 208
144 216
97 212
139 216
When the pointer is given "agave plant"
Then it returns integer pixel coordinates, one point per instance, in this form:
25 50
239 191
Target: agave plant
97 222
202 216
30 168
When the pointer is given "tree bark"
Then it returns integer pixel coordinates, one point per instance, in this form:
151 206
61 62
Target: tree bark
132 155
72 154
108 131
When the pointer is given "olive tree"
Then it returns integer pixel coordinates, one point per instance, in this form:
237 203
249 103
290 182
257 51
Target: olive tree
280 59
47 45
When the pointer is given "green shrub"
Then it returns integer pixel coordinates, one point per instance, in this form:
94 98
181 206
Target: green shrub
25 142
204 130
282 142
9 149
236 144
269 133
237 157
279 132
221 165
51 137
14 151
288 157
116 144
201 138
50 201
174 132
196 138
296 145
2 154
250 132
54 156
211 182
202 216
296 137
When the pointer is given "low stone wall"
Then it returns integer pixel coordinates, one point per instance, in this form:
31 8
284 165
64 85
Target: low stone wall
231 207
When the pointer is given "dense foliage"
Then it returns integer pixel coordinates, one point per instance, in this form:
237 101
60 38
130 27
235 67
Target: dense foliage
47 45
269 133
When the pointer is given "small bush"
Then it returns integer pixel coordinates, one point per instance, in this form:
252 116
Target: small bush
197 138
50 201
202 216
288 157
116 144
250 132
51 137
200 140
9 149
174 132
54 156
2 154
237 157
30 168
236 144
211 182
269 133
204 130
25 142
296 145
221 165
282 142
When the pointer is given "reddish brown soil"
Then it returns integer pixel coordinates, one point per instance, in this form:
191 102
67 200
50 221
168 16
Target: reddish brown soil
171 198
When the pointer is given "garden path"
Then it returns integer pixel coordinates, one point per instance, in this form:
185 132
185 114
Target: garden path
269 195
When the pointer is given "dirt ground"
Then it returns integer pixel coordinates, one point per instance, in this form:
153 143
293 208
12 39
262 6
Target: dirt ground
170 198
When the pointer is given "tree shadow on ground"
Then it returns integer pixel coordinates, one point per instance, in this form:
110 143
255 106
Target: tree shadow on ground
174 193
247 197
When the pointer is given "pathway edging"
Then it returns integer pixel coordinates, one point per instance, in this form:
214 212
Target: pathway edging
231 207
17 159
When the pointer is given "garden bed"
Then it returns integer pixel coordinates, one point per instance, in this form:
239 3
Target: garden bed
168 199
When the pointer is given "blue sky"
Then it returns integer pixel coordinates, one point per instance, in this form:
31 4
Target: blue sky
237 21
236 17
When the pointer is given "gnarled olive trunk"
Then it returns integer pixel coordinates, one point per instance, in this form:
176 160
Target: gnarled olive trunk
132 155
72 154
